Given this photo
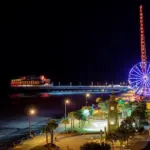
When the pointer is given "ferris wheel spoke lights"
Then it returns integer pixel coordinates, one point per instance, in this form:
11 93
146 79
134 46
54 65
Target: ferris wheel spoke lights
140 81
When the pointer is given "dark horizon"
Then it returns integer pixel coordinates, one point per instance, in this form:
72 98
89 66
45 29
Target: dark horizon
67 41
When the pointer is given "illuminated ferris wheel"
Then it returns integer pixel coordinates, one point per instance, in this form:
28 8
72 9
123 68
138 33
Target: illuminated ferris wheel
139 75
140 81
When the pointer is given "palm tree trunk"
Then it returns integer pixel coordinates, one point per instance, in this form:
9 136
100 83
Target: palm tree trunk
82 124
112 145
127 141
65 126
79 123
73 123
120 144
52 137
46 138
88 121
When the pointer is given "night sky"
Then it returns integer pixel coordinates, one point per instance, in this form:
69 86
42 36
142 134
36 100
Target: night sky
71 41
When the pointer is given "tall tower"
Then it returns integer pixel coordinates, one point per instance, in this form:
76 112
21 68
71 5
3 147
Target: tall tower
139 75
142 39
143 46
113 122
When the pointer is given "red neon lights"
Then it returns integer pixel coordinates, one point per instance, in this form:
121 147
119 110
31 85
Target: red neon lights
142 38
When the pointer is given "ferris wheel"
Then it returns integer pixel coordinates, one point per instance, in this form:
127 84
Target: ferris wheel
139 80
139 75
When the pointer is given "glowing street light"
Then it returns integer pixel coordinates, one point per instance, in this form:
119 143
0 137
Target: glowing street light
66 102
31 112
87 96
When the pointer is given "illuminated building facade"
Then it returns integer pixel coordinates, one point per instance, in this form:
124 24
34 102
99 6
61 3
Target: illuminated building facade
113 122
30 81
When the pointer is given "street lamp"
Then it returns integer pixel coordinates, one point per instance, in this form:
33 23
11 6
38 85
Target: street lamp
66 102
31 112
87 96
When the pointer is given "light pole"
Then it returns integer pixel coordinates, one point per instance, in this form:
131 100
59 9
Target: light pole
87 96
31 113
66 102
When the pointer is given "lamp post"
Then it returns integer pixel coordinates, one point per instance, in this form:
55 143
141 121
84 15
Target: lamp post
66 102
87 96
31 113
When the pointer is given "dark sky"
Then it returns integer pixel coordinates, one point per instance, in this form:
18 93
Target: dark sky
71 41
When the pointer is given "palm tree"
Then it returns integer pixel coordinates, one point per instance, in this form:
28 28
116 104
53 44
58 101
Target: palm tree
104 107
142 108
90 108
65 121
136 115
139 113
98 100
45 130
49 128
126 129
72 116
79 115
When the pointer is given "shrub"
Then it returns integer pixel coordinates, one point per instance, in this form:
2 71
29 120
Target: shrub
95 146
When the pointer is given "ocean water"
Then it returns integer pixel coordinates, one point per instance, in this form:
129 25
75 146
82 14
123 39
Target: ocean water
14 111
50 105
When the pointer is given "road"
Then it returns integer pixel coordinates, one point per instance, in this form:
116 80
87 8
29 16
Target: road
73 142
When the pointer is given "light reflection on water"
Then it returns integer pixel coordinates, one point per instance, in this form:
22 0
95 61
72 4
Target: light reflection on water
52 104
47 94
